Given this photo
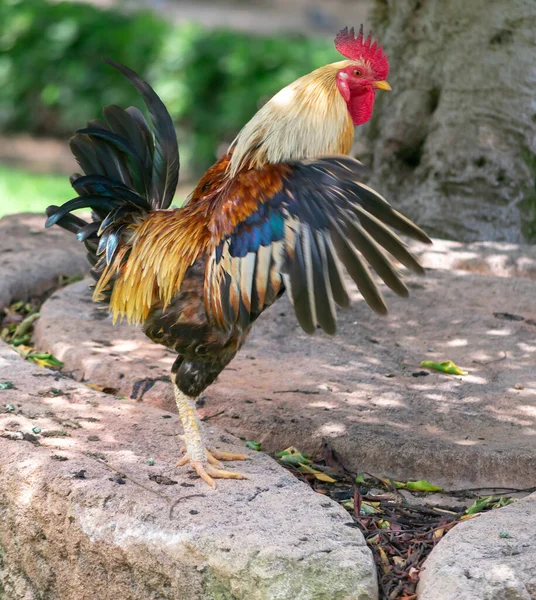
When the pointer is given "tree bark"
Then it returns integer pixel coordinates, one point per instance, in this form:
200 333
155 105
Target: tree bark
454 144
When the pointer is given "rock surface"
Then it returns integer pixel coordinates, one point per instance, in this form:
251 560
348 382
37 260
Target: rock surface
363 390
491 557
82 514
32 258
499 259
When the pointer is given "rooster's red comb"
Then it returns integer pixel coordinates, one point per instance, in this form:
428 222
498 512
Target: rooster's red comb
355 48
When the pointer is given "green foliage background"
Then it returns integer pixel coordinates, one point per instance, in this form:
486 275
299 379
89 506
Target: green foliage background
52 78
21 191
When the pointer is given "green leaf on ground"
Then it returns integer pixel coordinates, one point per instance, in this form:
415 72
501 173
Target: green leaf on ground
45 359
505 535
254 445
370 508
479 505
6 385
422 486
446 366
367 508
292 456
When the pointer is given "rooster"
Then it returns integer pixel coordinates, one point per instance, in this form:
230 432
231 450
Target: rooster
284 210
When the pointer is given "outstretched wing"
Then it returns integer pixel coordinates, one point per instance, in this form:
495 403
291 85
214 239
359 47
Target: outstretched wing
320 220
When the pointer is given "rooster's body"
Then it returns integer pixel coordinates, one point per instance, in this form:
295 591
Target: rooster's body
283 210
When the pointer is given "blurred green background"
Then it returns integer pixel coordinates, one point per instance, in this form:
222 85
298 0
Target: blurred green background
52 80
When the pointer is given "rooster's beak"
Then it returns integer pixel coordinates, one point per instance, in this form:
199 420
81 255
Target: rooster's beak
382 85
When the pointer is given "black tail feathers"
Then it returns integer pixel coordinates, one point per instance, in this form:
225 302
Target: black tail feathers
130 169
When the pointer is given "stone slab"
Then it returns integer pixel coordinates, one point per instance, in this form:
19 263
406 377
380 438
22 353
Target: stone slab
33 258
82 514
501 259
491 557
356 390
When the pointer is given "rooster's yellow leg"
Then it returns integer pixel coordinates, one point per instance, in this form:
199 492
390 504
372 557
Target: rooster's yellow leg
203 461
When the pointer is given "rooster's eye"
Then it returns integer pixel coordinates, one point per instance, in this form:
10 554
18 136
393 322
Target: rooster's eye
357 73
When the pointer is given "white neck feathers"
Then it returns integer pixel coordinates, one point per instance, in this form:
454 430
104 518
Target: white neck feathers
306 119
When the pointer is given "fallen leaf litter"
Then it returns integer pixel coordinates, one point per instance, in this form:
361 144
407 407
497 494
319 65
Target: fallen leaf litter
399 525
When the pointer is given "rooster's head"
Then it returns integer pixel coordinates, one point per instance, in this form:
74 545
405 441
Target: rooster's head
367 73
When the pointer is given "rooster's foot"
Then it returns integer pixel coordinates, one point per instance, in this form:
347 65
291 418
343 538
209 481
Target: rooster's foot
214 456
207 471
205 462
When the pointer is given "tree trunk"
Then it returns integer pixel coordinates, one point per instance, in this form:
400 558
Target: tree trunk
454 144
